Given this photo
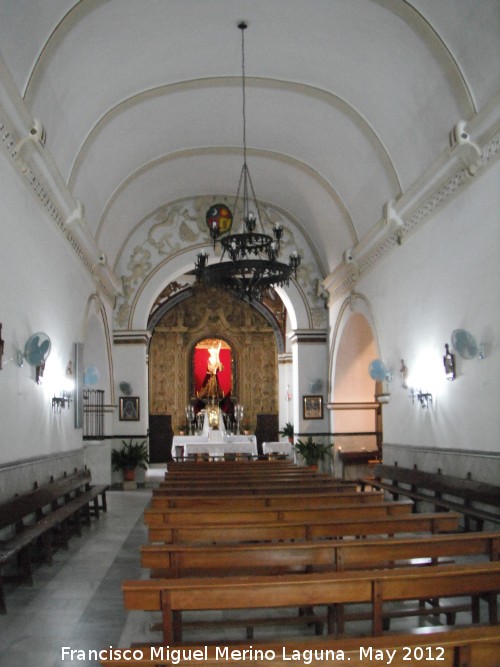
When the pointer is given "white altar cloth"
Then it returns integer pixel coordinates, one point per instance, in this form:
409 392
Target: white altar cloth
216 442
183 445
281 447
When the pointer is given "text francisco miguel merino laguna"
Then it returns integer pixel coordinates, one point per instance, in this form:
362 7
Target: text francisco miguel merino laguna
177 656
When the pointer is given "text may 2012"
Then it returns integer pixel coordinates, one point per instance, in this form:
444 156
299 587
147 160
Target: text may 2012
305 656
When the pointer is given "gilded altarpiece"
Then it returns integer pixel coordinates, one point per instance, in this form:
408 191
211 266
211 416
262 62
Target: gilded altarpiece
213 314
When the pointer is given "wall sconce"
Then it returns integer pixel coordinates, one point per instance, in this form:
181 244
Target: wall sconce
66 394
404 374
449 363
424 398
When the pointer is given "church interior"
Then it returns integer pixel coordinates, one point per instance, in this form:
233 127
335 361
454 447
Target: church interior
231 228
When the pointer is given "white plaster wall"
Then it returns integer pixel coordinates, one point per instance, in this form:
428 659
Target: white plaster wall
309 367
130 363
43 288
97 455
446 276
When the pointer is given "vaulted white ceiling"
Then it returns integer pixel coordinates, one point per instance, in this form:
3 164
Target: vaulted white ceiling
348 101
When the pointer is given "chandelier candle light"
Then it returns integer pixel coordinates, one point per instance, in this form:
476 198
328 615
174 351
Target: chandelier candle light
253 264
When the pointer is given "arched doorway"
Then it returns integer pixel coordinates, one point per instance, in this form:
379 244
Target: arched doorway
211 315
357 415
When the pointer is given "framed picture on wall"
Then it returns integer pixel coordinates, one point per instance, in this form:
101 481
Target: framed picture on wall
129 408
313 407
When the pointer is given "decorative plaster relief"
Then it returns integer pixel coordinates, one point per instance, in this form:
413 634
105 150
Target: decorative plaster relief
178 225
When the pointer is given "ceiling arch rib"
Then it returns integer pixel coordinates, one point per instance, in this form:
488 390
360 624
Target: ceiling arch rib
285 111
343 34
340 138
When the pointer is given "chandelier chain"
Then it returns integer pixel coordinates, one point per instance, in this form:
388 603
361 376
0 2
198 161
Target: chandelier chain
253 265
242 27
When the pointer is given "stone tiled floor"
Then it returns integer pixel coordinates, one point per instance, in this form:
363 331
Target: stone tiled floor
77 601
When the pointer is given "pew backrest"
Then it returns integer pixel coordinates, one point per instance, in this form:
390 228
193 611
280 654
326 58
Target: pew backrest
242 501
224 560
173 596
431 522
213 515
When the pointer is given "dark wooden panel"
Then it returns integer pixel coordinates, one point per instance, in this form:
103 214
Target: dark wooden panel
160 438
266 430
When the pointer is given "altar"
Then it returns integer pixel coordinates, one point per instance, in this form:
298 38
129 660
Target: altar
214 442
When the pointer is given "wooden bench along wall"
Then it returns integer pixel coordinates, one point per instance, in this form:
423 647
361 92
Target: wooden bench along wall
225 560
475 646
432 522
280 501
33 518
442 491
173 596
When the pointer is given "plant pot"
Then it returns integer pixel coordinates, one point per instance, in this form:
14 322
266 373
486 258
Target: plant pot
129 475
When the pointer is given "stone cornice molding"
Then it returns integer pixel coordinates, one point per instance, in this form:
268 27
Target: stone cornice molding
473 147
22 139
131 337
308 336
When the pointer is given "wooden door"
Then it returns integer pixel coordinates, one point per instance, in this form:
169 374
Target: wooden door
160 438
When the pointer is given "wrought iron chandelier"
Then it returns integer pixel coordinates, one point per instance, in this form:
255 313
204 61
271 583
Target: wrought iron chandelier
253 265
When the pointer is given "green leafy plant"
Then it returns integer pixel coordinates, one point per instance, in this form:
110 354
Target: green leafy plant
313 452
287 431
132 455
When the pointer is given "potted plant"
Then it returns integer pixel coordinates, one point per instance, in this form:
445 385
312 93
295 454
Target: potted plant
132 455
287 431
313 452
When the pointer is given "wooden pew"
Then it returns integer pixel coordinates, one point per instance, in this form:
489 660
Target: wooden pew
213 515
259 472
377 587
280 501
313 529
475 646
470 497
33 517
254 488
225 560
